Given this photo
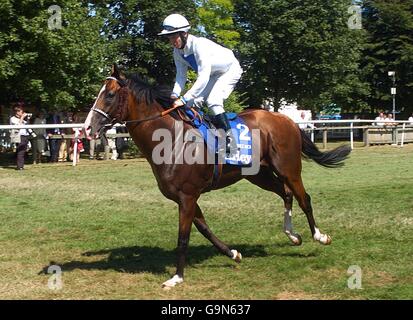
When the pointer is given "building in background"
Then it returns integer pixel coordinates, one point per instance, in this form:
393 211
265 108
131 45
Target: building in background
293 111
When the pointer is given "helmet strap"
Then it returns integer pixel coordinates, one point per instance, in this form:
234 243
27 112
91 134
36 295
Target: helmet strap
184 39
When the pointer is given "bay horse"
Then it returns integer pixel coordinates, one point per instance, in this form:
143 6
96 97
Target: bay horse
143 108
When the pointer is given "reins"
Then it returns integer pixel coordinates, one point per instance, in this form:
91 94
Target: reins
156 116
123 106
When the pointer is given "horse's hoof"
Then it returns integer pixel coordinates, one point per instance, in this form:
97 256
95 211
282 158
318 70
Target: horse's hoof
328 240
172 282
236 256
295 238
324 239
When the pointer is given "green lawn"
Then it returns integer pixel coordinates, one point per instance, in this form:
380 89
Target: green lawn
113 234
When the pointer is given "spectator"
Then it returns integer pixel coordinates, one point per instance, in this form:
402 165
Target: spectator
54 143
390 120
65 144
39 143
380 118
80 146
305 125
411 119
20 136
121 142
112 143
95 145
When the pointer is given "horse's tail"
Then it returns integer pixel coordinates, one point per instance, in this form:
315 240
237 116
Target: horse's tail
330 159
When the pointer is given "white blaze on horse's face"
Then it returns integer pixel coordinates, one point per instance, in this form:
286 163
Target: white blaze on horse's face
90 115
100 93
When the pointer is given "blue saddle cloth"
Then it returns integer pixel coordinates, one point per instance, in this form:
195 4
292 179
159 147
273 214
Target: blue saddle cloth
241 132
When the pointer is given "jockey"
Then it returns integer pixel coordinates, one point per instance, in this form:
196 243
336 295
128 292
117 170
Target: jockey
217 68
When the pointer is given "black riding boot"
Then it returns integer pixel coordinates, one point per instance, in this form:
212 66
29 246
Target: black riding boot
221 122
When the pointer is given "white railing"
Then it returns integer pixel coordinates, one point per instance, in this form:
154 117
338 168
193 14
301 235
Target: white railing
382 124
352 125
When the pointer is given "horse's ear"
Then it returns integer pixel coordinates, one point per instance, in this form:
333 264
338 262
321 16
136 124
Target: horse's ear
117 73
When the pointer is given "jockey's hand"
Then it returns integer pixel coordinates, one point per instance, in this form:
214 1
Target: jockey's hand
178 103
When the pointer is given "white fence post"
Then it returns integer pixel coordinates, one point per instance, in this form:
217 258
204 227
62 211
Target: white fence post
403 133
75 147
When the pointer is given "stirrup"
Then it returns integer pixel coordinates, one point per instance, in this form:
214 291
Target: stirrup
230 145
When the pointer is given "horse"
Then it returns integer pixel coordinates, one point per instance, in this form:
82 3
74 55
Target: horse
145 108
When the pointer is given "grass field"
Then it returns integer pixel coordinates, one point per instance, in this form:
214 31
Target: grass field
113 234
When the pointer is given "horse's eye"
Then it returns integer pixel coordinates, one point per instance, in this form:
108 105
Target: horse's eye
110 95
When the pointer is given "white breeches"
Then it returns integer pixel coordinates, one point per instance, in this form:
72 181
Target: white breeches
219 88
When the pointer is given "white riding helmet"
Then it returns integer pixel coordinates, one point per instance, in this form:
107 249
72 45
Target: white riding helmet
174 23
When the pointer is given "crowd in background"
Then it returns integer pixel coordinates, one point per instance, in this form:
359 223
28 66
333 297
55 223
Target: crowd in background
57 144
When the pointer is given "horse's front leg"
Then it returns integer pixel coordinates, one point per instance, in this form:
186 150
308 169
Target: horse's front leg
187 207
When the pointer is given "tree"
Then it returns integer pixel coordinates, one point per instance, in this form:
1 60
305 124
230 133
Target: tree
133 29
389 48
300 50
132 26
216 21
43 61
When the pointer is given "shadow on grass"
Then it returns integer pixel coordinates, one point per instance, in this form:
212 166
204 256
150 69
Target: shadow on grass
156 260
148 259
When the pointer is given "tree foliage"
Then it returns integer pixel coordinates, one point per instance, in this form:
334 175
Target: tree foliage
216 21
389 48
132 26
46 63
301 51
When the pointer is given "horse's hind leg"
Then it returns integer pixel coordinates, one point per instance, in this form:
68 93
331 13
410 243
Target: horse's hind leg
288 226
203 228
304 201
266 180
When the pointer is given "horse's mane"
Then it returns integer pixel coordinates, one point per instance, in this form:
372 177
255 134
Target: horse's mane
143 90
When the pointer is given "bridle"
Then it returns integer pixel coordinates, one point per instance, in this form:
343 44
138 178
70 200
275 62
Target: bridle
122 107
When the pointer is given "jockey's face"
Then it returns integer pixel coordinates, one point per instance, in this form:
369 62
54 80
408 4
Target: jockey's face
175 40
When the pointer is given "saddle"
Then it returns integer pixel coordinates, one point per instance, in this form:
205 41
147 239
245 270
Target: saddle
240 131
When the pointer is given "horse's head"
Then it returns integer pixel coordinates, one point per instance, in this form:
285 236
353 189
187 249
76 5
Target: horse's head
110 106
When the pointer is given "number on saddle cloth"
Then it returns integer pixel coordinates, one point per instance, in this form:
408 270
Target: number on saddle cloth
240 131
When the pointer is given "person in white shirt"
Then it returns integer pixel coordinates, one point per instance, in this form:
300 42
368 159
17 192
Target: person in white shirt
390 120
20 136
303 126
411 119
381 118
112 143
217 68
